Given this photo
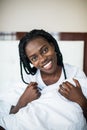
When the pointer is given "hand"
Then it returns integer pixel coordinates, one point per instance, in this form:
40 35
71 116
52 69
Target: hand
73 93
31 93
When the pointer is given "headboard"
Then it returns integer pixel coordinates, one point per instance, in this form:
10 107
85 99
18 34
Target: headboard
72 51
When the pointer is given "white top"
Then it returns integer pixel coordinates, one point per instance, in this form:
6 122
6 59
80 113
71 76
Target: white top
51 111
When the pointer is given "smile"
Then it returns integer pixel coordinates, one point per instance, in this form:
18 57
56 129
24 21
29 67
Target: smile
48 65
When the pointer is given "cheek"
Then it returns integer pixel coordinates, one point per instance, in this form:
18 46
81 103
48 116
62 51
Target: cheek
35 64
53 54
55 57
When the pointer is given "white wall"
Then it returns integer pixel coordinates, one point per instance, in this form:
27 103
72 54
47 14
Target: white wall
52 15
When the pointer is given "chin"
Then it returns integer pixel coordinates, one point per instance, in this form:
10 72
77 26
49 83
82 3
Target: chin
50 71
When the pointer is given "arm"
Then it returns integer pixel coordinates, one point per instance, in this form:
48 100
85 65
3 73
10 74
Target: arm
84 107
74 94
31 93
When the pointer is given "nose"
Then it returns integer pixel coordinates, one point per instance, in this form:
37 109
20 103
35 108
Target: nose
42 58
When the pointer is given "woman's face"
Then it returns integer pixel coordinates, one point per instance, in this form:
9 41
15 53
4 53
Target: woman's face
42 55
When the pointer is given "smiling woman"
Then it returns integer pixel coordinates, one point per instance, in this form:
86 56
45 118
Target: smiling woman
41 55
43 52
49 100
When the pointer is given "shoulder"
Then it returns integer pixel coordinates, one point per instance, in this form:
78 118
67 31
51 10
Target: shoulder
73 71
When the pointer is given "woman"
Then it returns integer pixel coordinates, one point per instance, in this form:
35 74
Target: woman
42 68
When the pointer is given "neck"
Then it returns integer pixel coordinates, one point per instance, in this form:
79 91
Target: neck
52 78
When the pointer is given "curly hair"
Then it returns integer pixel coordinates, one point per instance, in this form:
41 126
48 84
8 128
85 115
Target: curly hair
24 60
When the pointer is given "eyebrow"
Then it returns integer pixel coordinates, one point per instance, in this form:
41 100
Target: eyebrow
39 50
43 47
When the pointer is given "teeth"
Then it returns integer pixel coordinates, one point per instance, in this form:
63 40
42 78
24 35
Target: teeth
47 65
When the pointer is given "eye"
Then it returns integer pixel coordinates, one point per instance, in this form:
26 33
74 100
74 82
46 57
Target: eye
33 58
45 50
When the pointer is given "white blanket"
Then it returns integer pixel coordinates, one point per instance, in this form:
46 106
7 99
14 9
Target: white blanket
50 112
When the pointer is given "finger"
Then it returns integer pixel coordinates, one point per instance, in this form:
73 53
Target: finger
36 90
31 87
77 82
67 86
38 94
61 87
64 88
30 84
33 83
35 87
63 92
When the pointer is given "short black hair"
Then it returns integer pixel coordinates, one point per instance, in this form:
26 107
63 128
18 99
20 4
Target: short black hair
33 34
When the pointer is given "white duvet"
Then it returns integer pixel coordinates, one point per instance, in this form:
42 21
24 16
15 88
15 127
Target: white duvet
50 112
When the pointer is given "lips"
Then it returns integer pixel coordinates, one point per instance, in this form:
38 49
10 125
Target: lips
48 65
